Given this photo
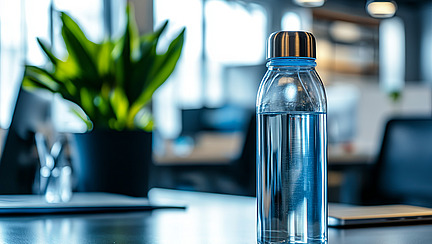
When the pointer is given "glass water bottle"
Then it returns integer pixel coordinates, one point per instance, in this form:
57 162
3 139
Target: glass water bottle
291 144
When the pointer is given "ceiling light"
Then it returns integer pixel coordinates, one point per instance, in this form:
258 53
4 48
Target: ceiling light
381 9
310 3
345 32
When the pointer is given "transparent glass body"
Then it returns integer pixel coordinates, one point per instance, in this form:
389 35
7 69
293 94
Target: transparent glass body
291 153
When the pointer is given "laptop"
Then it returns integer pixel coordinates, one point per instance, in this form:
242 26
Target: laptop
341 215
81 202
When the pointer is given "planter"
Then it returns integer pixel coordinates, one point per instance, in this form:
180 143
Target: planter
113 161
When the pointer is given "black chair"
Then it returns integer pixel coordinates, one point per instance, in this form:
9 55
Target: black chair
403 171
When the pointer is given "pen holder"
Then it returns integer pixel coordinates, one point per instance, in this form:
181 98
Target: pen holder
58 187
55 173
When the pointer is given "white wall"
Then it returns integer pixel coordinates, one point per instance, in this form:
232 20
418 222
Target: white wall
375 108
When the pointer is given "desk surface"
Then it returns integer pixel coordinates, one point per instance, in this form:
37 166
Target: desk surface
209 218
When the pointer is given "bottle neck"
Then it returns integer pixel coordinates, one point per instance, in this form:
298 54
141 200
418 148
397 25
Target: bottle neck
291 62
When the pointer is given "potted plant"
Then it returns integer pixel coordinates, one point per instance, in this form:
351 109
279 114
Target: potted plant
112 82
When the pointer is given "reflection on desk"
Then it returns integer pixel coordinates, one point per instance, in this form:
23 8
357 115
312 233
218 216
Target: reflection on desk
209 218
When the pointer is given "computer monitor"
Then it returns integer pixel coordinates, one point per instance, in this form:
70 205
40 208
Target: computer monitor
19 158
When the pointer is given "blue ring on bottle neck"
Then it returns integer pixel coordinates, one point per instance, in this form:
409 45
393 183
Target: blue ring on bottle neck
291 61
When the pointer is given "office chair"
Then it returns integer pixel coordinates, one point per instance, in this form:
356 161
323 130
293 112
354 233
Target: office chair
403 171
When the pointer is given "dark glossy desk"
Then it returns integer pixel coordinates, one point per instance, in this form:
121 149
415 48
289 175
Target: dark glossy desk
209 218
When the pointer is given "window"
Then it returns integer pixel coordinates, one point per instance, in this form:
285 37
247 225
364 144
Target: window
218 34
20 24
235 32
392 55
11 56
291 21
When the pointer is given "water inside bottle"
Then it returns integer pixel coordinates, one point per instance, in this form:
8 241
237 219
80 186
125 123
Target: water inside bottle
292 177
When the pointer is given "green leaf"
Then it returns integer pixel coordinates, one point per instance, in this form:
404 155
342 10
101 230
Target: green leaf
133 32
141 70
103 101
67 70
78 33
164 66
144 120
87 102
79 47
120 105
155 35
130 45
31 82
149 126
54 60
83 117
42 76
104 60
143 66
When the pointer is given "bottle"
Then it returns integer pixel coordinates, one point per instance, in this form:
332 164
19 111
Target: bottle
291 144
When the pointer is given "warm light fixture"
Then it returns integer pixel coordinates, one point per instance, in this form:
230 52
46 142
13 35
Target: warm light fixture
310 3
345 31
381 8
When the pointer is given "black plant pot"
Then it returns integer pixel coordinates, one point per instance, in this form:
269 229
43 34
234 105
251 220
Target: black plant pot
113 161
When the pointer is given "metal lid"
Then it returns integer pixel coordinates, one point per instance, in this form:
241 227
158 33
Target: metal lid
291 44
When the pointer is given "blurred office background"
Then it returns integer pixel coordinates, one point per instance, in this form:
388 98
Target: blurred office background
373 69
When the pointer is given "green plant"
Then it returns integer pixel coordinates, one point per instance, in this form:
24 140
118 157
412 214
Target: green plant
112 81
